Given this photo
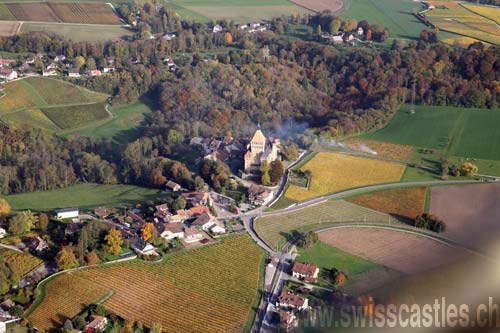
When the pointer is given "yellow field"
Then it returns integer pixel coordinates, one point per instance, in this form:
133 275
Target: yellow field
462 41
332 172
493 13
389 150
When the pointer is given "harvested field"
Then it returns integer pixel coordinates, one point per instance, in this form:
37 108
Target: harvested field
320 5
70 12
8 28
400 251
332 172
274 229
74 32
384 149
401 202
471 213
183 292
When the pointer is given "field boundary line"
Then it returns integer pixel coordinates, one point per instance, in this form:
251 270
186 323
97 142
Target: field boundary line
478 14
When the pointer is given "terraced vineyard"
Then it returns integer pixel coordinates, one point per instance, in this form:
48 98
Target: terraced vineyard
210 289
275 228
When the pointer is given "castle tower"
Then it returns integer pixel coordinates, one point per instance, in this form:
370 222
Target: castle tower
258 142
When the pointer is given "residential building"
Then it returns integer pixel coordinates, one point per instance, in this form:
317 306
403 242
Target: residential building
67 213
291 301
49 72
199 210
173 186
172 231
307 272
97 323
288 320
8 74
162 211
261 150
140 246
104 212
108 69
73 73
217 28
7 62
52 66
2 232
259 195
60 57
38 245
73 229
193 234
198 198
94 72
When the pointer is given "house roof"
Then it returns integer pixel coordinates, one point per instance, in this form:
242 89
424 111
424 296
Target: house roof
290 298
6 71
66 210
171 184
192 231
199 210
304 269
259 137
202 220
173 227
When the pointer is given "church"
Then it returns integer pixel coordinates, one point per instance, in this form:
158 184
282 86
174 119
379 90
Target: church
260 150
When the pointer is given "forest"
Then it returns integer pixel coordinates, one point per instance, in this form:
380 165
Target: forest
264 78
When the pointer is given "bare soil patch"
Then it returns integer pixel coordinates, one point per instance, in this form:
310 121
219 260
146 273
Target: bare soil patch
8 28
403 252
471 213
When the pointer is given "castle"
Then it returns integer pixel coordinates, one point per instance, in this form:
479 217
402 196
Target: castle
261 150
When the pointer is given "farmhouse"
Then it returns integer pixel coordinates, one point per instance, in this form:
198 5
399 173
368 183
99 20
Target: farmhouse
2 232
291 301
261 150
172 231
97 323
173 186
259 195
8 74
307 272
67 213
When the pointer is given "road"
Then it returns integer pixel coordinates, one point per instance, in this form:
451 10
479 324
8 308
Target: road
10 247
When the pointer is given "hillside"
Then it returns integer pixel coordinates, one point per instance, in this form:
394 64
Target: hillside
50 104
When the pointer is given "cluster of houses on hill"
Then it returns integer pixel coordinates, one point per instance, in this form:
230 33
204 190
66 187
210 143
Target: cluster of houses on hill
289 302
344 37
246 27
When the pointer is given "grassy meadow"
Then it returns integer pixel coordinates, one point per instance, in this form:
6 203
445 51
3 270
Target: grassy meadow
81 196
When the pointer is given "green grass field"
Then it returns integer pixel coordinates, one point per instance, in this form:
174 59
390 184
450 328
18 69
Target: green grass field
123 127
396 15
275 229
237 10
471 133
81 196
77 33
50 104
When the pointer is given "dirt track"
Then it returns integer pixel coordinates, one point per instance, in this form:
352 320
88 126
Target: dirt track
471 213
403 252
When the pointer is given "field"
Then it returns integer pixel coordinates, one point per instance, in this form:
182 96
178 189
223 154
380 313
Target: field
470 212
70 12
123 127
24 262
456 131
211 289
396 15
401 202
332 172
33 101
383 149
240 11
8 28
82 196
400 251
74 32
478 22
320 5
275 229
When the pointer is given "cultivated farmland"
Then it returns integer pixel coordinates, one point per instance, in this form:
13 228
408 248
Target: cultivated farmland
320 5
478 22
74 32
33 101
456 131
8 28
471 213
71 12
384 149
274 229
401 202
184 292
400 251
332 172
24 263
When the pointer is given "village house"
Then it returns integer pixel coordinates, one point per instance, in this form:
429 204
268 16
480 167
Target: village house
97 323
73 229
103 212
94 72
2 232
108 69
7 62
67 213
192 234
172 231
73 73
162 211
140 246
307 272
38 245
360 32
209 223
199 210
180 216
261 150
169 36
198 198
8 74
173 186
288 320
60 57
291 301
217 28
259 195
49 72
